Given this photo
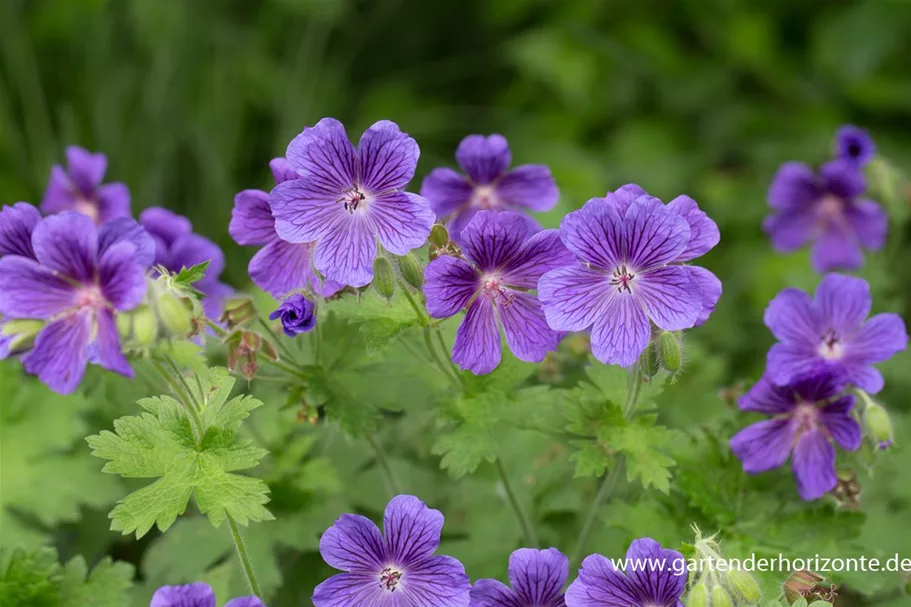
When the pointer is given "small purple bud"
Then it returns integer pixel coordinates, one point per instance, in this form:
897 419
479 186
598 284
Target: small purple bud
297 314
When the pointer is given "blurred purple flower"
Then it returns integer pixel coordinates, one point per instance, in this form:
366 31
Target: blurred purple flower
177 247
79 188
297 315
17 222
807 415
398 568
628 246
503 262
827 209
537 578
655 577
347 198
831 331
79 278
854 144
488 184
197 594
280 267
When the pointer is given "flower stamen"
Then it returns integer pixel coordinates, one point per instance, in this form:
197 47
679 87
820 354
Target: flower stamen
351 198
389 579
622 279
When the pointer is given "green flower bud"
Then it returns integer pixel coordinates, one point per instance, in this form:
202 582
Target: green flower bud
878 425
145 325
648 362
124 325
22 333
669 351
383 277
744 585
699 596
238 312
439 236
721 598
175 314
411 270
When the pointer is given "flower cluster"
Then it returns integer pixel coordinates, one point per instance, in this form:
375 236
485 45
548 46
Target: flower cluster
197 594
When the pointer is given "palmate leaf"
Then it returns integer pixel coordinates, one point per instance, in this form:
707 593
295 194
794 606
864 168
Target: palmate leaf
160 444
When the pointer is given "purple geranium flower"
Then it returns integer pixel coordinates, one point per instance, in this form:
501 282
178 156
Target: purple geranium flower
654 577
537 578
78 188
280 267
397 569
17 222
831 331
178 247
197 594
629 246
503 262
297 314
79 278
347 198
825 208
854 144
807 415
488 184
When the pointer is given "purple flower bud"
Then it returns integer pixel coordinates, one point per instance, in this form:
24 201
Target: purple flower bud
297 314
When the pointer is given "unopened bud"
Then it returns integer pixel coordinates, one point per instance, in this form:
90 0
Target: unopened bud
383 277
744 585
648 361
21 334
669 351
439 236
411 270
721 598
238 312
699 596
175 314
145 325
124 325
878 425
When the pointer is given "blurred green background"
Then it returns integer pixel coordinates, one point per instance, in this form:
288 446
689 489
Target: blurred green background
191 98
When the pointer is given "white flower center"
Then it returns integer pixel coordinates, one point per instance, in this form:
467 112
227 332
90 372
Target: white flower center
830 209
390 578
484 197
830 346
352 198
90 296
495 289
622 278
87 207
806 417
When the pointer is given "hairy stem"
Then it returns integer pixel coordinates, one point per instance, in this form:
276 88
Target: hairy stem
183 397
446 369
244 557
392 481
452 365
528 530
292 371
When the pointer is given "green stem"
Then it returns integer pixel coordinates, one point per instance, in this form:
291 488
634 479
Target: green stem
244 557
183 382
195 421
292 371
414 304
446 356
446 369
216 329
277 341
531 540
392 481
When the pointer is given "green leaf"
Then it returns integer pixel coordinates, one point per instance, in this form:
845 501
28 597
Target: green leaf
107 585
464 449
187 276
161 444
29 579
379 321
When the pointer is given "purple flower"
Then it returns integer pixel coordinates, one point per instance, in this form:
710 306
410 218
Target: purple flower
297 314
831 331
629 246
197 594
177 247
17 222
280 267
488 184
503 262
396 569
827 209
854 144
653 577
537 578
78 188
347 198
78 280
806 416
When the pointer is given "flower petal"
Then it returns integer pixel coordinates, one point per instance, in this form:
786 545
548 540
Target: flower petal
595 234
304 213
31 290
245 601
622 332
350 590
197 594
411 530
704 233
794 187
113 202
836 249
493 239
125 229
449 284
663 578
854 144
766 397
477 342
17 222
446 190
484 158
790 230
710 286
843 178
105 350
353 543
764 445
346 255
386 158
251 218
164 224
281 267
67 243
401 221
791 318
530 186
866 378
653 234
784 362
282 170
842 303
538 576
623 197
877 340
85 168
573 298
669 297
814 465
61 352
194 249
59 194
826 382
122 280
869 223
527 333
493 593
601 584
324 157
440 581
842 427
542 252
